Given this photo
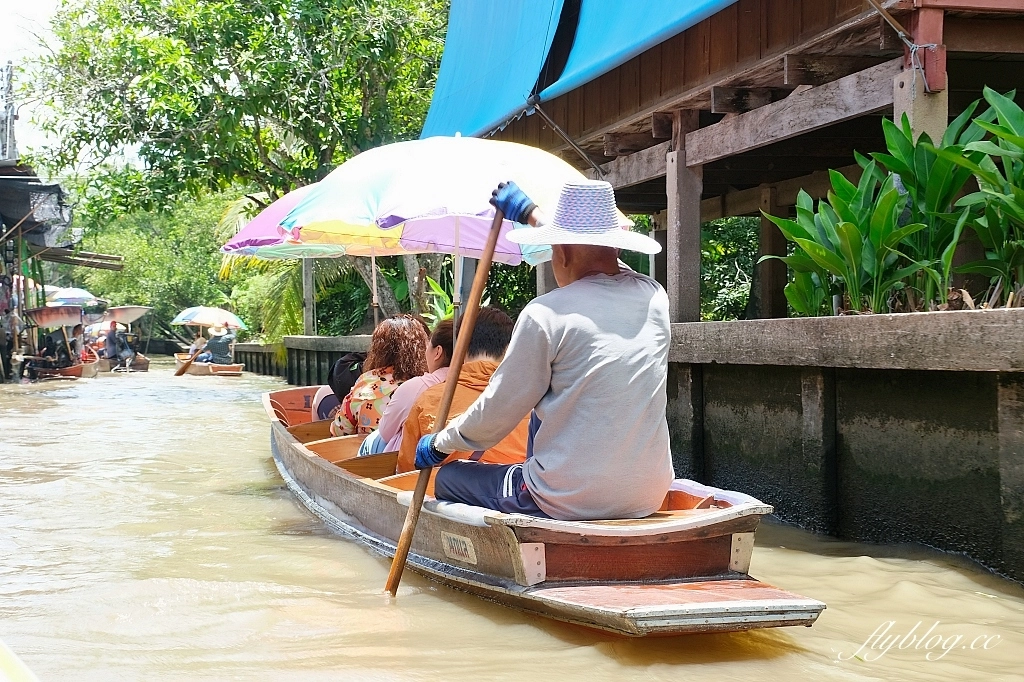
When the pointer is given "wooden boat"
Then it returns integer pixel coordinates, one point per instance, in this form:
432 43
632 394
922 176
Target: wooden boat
139 364
680 570
84 370
207 368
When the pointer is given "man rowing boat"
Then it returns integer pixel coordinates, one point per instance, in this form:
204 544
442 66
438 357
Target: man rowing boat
590 359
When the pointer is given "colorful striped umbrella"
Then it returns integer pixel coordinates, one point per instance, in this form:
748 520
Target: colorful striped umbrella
263 238
204 316
427 196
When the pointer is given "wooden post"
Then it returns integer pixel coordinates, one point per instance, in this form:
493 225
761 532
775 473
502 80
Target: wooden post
684 186
545 279
1010 408
928 112
660 220
308 304
773 276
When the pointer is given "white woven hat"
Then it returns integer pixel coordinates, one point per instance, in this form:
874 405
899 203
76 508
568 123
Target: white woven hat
586 214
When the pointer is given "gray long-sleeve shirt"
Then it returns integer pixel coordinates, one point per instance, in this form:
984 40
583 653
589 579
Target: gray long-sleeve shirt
592 359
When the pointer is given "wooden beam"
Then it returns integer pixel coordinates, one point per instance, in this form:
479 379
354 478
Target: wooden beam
857 32
634 168
748 201
972 5
661 125
620 144
862 93
1004 35
725 100
816 69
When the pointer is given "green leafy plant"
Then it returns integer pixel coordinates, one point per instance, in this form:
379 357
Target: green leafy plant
932 182
854 238
441 305
998 207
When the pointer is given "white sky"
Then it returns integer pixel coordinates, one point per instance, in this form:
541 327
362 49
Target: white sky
21 21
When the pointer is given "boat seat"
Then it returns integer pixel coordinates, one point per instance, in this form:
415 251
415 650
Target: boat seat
279 412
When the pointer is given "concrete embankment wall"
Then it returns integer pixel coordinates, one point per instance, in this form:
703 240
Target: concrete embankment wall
886 428
309 358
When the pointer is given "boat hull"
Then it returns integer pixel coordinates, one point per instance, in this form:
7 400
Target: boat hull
139 364
674 577
84 370
207 368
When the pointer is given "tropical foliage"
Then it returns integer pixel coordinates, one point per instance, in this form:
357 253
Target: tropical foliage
209 93
170 258
887 244
728 251
998 208
155 100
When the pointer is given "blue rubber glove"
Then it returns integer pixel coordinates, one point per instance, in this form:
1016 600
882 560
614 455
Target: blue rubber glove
513 202
427 455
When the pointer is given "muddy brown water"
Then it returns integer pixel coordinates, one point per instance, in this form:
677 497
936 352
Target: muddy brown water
146 535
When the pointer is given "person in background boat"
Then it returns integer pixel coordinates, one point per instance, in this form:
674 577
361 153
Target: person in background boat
47 358
438 356
75 342
198 344
110 344
491 336
590 360
8 337
218 348
396 355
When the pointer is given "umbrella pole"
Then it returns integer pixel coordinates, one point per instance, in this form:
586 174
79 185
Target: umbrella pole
376 301
67 344
458 357
456 284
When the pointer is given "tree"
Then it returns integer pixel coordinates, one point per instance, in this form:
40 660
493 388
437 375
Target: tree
170 263
208 94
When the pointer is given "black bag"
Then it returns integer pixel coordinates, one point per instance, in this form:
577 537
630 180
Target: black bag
345 372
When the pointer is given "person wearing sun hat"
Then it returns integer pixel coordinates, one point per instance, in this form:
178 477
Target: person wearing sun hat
218 348
588 361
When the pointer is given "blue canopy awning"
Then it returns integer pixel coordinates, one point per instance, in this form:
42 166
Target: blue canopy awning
611 32
493 53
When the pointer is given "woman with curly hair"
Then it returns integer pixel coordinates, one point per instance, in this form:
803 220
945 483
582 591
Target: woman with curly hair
396 355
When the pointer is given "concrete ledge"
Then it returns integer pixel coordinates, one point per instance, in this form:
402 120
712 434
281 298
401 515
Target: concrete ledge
345 344
256 348
965 340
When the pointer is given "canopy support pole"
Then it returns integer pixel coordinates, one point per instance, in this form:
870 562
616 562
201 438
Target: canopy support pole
308 309
535 103
376 301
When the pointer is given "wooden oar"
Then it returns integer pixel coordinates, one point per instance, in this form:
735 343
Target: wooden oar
188 363
458 357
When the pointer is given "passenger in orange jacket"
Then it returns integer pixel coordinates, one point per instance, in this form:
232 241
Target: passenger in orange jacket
487 347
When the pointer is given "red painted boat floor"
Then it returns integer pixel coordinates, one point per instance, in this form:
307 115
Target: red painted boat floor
632 596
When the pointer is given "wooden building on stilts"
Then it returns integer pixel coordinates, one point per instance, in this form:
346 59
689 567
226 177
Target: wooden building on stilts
878 427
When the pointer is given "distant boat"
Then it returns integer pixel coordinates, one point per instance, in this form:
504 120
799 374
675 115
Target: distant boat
207 368
681 570
83 370
139 364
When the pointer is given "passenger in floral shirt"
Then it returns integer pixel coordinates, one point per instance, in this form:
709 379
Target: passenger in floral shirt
396 355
